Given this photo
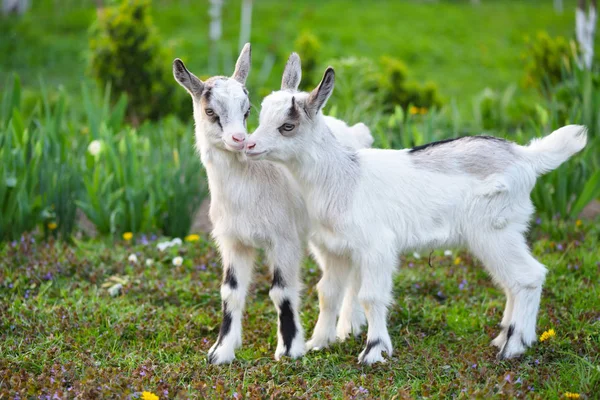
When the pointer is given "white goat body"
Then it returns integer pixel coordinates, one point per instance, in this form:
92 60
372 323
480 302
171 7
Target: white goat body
254 204
369 206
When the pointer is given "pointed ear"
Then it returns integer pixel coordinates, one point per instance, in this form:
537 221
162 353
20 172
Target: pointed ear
185 78
318 97
242 66
292 74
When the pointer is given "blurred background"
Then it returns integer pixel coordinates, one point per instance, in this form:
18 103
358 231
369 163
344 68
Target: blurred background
96 137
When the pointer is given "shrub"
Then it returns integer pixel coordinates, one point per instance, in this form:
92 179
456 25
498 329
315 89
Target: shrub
547 60
308 47
56 164
398 90
126 52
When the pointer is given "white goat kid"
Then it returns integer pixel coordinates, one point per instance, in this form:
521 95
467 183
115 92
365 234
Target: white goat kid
253 205
368 206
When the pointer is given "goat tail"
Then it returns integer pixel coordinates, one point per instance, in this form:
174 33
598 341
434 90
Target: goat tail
362 134
547 153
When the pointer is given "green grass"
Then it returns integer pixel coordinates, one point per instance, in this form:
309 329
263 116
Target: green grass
462 48
60 329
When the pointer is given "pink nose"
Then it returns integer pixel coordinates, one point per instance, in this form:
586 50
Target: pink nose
238 137
251 145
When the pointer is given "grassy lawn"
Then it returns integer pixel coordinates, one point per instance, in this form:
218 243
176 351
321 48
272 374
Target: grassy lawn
462 48
61 332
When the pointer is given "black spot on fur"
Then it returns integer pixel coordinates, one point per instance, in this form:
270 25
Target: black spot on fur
509 333
293 113
225 328
440 142
277 279
207 95
225 325
370 346
230 278
287 325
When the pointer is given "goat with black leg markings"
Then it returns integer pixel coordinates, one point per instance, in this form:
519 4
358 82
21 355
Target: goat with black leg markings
253 205
369 206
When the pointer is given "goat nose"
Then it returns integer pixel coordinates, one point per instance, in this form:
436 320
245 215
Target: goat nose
238 137
251 145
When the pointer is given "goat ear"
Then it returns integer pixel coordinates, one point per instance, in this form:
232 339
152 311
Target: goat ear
185 78
242 66
292 74
319 96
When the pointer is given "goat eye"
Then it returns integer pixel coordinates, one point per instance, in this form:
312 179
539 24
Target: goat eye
209 112
287 127
247 114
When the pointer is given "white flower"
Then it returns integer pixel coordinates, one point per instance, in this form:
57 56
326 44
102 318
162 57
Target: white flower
149 262
115 289
416 255
177 261
95 147
133 258
165 245
448 253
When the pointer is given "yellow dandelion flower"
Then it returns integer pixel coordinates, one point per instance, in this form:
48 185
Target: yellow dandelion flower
578 223
413 110
457 260
547 335
149 396
128 236
192 238
570 395
52 226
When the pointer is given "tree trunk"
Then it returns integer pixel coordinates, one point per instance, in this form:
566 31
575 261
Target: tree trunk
245 23
585 29
14 6
558 6
214 33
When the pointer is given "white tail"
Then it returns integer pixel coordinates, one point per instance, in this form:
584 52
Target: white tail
547 153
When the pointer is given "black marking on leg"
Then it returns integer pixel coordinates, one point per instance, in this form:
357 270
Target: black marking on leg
225 328
230 278
370 346
523 343
287 325
509 333
225 325
277 279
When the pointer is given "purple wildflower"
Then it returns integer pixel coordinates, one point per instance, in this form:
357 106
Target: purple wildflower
530 388
153 237
507 378
410 265
538 221
559 247
537 361
312 270
474 366
416 286
142 373
10 285
166 392
27 294
462 284
518 380
363 390
13 243
48 276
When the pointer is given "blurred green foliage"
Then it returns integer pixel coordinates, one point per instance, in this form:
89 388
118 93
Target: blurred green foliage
126 51
548 60
56 165
308 47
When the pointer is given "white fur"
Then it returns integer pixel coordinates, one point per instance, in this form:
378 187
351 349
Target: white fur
369 206
254 204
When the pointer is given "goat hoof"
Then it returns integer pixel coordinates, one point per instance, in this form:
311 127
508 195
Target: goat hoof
297 350
220 355
316 344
